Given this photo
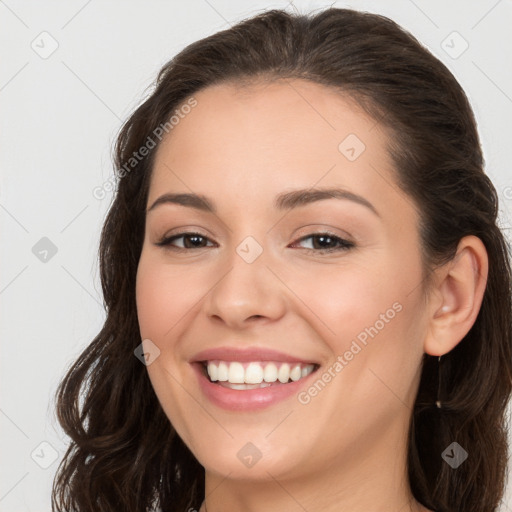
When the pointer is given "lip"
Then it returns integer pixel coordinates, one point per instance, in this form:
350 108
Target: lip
247 355
249 399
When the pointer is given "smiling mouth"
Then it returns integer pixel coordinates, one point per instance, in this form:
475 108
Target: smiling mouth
255 374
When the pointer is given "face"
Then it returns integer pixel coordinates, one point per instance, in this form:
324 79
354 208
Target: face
309 304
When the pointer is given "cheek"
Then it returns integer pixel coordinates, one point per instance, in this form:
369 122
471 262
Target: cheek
370 321
163 298
151 295
368 313
164 295
343 301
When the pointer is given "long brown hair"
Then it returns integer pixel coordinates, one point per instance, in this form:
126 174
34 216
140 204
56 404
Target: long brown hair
124 453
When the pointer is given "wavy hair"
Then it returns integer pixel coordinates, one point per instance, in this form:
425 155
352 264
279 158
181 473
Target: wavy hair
124 454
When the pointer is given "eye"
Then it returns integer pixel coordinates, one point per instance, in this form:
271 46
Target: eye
326 242
189 240
321 242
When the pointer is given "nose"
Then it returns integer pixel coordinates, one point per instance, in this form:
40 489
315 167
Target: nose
246 293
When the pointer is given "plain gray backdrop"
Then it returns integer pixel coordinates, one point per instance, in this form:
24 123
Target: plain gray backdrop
70 73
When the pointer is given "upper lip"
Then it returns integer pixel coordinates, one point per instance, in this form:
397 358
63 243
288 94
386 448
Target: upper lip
247 355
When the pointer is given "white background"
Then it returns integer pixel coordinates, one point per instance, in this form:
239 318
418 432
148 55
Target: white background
58 121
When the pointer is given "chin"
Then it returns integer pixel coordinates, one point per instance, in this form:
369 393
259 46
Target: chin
242 459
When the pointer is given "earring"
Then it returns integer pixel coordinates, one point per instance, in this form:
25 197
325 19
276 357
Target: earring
438 401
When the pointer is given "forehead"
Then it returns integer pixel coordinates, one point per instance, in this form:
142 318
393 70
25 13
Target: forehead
259 139
285 112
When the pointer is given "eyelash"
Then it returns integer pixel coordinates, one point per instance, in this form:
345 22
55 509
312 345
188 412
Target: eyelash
343 245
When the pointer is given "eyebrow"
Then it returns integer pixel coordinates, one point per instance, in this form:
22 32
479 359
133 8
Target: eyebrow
284 201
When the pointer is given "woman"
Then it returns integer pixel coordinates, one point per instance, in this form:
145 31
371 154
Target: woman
308 297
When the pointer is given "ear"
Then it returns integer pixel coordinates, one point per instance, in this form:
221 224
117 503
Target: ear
457 296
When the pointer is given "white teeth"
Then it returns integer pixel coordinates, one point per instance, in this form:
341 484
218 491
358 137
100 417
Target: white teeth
222 373
306 370
295 373
270 373
213 372
253 374
284 373
245 386
237 375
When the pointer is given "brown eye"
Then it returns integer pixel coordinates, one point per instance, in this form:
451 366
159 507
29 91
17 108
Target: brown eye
326 242
190 241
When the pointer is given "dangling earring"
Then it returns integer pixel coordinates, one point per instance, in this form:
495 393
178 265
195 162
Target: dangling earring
438 401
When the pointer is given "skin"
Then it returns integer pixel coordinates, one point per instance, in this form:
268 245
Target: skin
346 448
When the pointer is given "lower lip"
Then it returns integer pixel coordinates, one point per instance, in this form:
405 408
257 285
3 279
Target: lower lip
247 399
